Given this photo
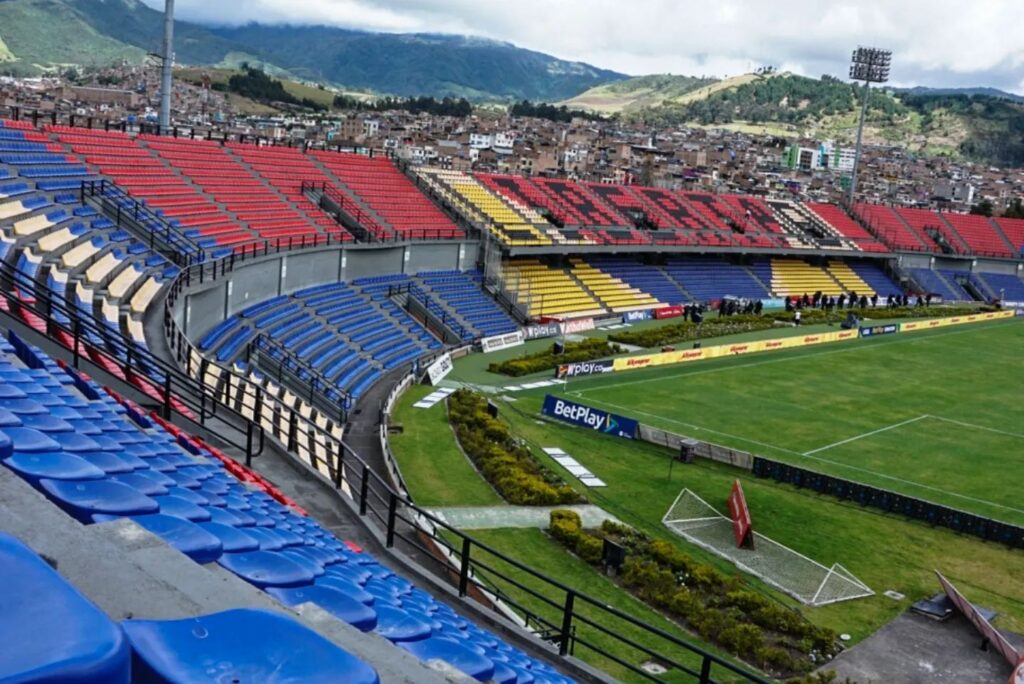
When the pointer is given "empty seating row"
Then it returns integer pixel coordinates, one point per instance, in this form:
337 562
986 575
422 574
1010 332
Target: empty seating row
462 294
100 459
390 195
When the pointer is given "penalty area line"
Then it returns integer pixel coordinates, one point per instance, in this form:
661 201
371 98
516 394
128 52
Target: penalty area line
812 457
864 435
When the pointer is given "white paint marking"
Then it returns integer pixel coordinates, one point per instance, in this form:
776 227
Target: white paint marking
838 464
978 427
866 434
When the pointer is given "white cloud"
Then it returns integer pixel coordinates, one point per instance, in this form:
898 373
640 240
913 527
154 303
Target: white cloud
935 42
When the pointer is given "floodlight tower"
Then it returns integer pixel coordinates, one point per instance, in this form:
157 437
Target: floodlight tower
870 65
165 72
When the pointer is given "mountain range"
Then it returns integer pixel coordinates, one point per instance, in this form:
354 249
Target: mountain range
36 34
979 123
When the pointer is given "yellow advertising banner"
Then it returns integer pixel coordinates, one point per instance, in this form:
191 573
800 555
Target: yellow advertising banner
932 323
741 348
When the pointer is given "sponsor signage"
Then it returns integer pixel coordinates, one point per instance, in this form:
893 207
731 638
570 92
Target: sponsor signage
441 367
634 316
875 330
577 325
572 370
955 320
668 312
536 332
491 344
588 417
742 527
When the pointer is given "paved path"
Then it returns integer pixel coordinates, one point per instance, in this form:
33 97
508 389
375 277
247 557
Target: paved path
492 517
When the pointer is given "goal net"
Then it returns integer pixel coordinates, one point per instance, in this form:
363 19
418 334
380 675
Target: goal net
808 581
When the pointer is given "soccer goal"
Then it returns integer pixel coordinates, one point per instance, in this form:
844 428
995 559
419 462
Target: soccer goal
806 580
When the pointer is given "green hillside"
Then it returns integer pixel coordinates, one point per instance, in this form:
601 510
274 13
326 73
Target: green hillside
36 34
987 127
638 93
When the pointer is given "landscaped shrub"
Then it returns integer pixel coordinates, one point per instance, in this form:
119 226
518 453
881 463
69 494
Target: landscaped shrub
718 607
589 548
584 350
686 331
510 467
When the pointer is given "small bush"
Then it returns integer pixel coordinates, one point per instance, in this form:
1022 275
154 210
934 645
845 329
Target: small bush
589 548
589 349
741 638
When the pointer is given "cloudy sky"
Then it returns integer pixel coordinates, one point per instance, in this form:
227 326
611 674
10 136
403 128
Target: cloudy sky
935 42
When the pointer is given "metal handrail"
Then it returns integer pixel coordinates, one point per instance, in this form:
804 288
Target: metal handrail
373 498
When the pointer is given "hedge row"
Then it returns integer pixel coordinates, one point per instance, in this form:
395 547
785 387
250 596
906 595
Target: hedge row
510 467
809 316
687 331
716 606
584 350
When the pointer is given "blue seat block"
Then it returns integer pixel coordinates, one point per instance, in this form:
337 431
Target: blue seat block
346 609
187 537
86 498
397 625
350 589
251 646
266 569
232 539
49 631
25 439
181 508
149 482
54 465
452 652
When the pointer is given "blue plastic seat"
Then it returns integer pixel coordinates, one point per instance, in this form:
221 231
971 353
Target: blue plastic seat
266 569
335 602
454 653
178 507
54 465
232 539
86 498
187 537
49 631
251 646
395 624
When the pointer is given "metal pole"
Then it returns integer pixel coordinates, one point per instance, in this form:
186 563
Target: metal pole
860 134
168 63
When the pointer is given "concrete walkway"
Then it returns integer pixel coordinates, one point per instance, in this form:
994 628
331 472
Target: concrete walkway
494 517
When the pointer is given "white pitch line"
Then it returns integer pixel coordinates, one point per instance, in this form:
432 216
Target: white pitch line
978 427
866 434
697 427
838 464
827 351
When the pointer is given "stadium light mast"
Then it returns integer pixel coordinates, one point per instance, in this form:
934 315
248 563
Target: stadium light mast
168 63
870 65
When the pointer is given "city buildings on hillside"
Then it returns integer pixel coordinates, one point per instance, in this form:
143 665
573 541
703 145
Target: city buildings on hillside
490 141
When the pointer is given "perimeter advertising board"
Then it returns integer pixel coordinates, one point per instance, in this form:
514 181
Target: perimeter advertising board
572 370
634 316
440 368
589 417
577 325
541 330
876 330
492 344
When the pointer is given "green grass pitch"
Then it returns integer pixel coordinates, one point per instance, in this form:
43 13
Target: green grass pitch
935 415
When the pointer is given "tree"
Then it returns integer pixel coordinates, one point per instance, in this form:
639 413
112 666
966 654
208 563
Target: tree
982 208
1015 210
